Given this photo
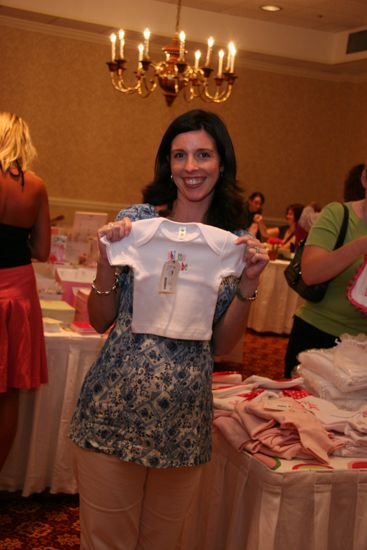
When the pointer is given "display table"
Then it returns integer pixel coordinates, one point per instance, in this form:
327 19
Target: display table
40 457
276 303
243 505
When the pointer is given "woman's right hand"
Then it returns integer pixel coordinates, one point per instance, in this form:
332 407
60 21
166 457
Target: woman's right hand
113 231
102 306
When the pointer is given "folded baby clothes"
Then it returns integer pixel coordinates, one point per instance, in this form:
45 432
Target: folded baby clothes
320 386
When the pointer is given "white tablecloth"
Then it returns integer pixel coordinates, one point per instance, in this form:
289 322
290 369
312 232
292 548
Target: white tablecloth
40 456
244 505
276 303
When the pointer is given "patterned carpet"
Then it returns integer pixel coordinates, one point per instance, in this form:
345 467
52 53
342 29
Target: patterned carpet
42 521
51 522
263 354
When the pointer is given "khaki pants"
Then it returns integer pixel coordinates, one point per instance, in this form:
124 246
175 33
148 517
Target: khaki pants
125 506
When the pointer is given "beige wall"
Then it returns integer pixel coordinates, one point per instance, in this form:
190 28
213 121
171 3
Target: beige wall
295 137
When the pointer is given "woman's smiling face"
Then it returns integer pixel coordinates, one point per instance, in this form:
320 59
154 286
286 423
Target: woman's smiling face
195 166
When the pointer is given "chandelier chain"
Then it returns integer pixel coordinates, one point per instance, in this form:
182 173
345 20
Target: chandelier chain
178 15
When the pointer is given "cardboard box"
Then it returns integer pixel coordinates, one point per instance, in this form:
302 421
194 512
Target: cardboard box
86 224
82 327
58 309
81 305
71 279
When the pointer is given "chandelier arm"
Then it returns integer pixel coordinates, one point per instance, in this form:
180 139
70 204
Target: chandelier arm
192 90
149 85
143 87
188 93
119 84
218 98
220 95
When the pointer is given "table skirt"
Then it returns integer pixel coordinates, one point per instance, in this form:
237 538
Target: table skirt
244 505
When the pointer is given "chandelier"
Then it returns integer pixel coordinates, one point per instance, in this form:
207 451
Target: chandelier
174 75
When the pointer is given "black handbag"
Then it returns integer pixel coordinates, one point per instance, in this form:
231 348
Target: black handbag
293 273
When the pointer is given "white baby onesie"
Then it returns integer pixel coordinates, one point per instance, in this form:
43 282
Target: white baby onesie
177 268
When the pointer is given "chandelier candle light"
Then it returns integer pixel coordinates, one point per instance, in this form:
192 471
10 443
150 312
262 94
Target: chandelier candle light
174 74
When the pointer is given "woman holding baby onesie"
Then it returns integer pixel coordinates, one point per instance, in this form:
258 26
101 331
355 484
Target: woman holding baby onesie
142 426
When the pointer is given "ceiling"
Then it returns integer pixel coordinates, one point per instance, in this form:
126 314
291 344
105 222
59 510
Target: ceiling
305 34
322 15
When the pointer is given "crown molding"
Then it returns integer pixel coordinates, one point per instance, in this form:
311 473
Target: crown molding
85 205
53 30
97 206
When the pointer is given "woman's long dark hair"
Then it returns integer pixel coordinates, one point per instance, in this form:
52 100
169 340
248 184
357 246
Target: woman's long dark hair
353 188
226 208
297 209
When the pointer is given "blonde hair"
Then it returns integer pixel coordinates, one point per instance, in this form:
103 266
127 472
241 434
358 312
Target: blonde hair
15 142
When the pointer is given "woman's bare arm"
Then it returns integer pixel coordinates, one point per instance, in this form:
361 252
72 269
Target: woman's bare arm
103 302
319 265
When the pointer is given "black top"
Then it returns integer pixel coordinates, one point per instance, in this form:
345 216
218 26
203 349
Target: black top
14 246
248 216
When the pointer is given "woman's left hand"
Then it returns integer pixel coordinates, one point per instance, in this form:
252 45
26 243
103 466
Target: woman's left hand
256 256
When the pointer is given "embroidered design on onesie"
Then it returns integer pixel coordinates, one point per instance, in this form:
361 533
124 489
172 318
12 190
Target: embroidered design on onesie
180 258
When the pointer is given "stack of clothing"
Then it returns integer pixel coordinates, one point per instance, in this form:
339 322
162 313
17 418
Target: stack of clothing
277 427
228 392
338 374
348 427
282 419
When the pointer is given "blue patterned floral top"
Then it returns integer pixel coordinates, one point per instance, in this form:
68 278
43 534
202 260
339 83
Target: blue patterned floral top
147 399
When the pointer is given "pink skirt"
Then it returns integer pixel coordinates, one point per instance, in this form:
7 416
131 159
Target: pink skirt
22 344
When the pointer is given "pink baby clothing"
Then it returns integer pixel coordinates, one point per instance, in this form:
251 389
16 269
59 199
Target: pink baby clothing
177 269
303 433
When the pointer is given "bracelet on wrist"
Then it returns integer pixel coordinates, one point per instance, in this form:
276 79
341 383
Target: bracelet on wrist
243 298
109 290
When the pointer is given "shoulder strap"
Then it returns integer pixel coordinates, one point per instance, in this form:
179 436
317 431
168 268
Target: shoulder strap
289 237
343 229
20 173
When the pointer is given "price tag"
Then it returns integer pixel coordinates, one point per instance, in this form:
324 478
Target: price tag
168 280
276 405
